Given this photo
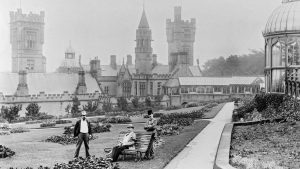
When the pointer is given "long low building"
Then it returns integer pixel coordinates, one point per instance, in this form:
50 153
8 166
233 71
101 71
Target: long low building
194 89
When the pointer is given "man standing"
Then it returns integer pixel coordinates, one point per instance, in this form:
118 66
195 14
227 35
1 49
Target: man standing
83 131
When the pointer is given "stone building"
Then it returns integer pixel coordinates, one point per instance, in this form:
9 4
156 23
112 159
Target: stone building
282 49
181 38
27 39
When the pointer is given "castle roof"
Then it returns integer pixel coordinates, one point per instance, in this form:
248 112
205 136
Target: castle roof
50 83
144 21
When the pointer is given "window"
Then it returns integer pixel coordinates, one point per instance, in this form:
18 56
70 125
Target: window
278 82
184 90
30 39
136 88
151 88
278 55
106 89
209 90
241 89
30 64
217 89
158 88
142 88
126 88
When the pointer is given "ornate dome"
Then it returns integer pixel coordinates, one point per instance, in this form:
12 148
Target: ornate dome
284 19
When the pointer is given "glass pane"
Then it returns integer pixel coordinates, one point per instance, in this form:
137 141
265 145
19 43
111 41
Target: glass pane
278 55
278 81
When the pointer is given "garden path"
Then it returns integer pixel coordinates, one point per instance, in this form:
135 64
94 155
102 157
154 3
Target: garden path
201 151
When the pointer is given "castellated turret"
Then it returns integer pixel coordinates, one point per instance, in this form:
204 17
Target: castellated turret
180 37
27 39
143 50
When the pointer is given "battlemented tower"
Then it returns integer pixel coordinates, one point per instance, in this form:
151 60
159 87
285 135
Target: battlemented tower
180 37
143 49
27 39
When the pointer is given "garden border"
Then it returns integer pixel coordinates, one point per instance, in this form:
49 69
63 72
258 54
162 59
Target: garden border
222 155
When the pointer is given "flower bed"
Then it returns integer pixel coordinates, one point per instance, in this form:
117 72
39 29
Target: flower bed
117 119
64 139
63 121
6 152
268 145
170 129
96 128
48 124
34 122
19 130
81 163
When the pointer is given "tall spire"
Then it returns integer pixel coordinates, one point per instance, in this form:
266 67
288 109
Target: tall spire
144 21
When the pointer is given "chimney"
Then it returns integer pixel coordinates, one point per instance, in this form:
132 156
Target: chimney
81 86
129 60
154 59
113 61
22 89
95 68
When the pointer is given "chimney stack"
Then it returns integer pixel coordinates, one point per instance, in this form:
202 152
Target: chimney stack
81 86
154 59
129 60
22 89
113 61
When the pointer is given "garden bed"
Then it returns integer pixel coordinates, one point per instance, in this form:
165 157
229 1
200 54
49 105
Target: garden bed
267 145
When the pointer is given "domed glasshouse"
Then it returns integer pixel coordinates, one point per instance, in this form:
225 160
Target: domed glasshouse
282 48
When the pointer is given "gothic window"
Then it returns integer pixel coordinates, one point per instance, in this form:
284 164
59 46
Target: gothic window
126 87
142 88
151 88
158 88
106 90
136 88
30 40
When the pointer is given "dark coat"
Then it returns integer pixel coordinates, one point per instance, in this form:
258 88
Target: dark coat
77 128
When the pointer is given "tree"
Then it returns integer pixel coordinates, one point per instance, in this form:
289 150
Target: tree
107 106
135 102
122 103
148 101
10 113
33 110
68 108
75 106
91 106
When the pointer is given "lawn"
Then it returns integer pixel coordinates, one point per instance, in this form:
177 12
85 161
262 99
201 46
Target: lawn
214 111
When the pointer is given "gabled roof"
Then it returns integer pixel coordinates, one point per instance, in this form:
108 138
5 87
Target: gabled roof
144 21
161 69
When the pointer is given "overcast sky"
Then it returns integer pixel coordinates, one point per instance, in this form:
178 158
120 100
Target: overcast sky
105 27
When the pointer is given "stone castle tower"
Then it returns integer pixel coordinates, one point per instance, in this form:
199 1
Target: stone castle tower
181 38
27 39
143 49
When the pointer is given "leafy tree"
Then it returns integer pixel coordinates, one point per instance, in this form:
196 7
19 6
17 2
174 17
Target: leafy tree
10 113
33 110
68 108
75 106
158 98
107 106
148 101
91 106
122 103
135 102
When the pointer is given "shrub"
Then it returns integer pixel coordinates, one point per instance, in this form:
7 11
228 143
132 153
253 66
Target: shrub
34 122
211 105
4 133
75 107
64 139
44 116
118 119
170 129
33 110
97 112
10 113
148 101
173 107
107 106
101 128
19 130
135 102
48 124
122 103
6 152
91 106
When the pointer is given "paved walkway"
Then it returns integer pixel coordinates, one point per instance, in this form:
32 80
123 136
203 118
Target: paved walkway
201 151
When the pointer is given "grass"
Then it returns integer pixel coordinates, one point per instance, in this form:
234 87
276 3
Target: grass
32 151
214 111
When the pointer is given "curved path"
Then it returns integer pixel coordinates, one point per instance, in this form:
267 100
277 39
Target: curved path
201 151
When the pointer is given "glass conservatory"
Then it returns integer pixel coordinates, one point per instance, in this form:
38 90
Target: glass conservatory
282 49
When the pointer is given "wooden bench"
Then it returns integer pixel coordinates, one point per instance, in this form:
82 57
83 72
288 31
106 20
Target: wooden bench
140 146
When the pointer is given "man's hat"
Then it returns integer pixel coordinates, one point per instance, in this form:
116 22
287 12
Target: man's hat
150 112
130 126
83 113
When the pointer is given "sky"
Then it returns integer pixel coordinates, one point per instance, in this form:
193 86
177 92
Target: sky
107 27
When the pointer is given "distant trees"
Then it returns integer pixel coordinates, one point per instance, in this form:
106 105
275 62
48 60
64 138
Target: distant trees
75 107
234 65
91 106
